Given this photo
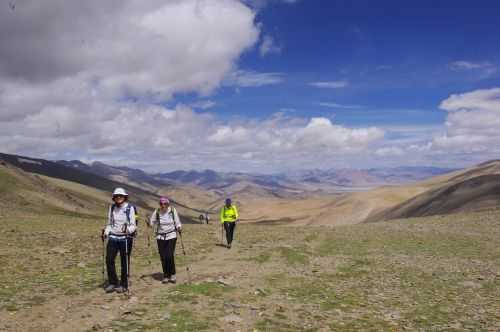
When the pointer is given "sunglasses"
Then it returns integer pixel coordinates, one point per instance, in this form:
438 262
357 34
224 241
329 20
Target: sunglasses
163 204
118 196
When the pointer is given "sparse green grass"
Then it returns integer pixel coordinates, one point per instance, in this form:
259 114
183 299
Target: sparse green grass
210 289
260 258
180 321
294 256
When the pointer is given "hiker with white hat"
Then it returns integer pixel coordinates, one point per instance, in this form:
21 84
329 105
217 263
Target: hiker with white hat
120 229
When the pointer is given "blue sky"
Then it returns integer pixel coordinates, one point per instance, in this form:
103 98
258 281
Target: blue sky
396 58
252 85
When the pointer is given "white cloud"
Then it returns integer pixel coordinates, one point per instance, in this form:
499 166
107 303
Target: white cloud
473 122
203 104
268 46
389 152
335 105
470 133
245 79
147 49
330 84
468 65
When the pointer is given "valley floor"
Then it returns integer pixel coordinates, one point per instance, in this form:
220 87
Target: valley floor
439 274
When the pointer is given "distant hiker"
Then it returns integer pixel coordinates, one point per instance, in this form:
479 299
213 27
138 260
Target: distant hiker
228 217
204 218
120 230
167 223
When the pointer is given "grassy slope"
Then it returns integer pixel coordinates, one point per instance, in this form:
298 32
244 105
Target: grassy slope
440 273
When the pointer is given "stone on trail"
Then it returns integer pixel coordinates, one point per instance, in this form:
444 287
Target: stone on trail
471 284
166 316
224 282
58 250
96 327
81 265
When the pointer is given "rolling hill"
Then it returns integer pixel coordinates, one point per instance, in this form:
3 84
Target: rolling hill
31 181
474 189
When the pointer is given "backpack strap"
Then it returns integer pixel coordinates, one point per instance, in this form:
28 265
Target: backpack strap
112 215
127 212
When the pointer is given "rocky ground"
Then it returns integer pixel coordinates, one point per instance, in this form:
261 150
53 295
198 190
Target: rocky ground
432 274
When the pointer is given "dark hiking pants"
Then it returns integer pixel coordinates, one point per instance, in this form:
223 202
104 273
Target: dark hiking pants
114 246
166 248
229 228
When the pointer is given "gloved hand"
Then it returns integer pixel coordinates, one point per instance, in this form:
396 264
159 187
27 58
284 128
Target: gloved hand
103 235
179 230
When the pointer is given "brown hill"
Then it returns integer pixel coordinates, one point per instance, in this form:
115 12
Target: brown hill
478 193
473 189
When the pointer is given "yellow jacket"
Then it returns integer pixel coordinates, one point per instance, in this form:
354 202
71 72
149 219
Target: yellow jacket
228 214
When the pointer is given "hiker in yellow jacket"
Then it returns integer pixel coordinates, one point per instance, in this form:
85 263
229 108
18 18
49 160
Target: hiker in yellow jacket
228 217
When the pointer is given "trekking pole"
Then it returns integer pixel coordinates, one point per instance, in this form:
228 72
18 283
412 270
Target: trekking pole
127 261
184 253
103 256
221 234
148 234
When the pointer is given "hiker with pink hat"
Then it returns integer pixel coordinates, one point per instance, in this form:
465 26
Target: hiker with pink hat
166 224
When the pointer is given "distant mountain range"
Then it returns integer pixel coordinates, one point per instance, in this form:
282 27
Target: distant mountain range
276 184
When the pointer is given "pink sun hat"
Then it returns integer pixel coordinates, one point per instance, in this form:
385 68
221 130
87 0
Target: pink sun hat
164 200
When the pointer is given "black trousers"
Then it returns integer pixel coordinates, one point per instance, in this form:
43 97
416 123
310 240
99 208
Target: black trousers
166 248
229 228
114 246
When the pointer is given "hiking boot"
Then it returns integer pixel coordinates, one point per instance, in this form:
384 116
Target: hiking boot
165 280
229 246
172 279
110 288
120 290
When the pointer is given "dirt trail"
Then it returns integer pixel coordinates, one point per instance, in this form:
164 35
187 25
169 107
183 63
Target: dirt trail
95 310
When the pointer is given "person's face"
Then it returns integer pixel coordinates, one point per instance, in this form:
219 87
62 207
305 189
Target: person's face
164 206
119 199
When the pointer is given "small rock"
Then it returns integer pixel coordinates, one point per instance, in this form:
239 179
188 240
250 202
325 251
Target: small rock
81 265
166 316
58 250
223 282
471 284
96 327
105 307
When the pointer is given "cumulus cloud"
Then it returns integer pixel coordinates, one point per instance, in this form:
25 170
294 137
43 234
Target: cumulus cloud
473 122
151 48
470 133
330 84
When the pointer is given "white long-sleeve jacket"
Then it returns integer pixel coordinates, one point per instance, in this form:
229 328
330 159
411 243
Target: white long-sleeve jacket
167 225
118 224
